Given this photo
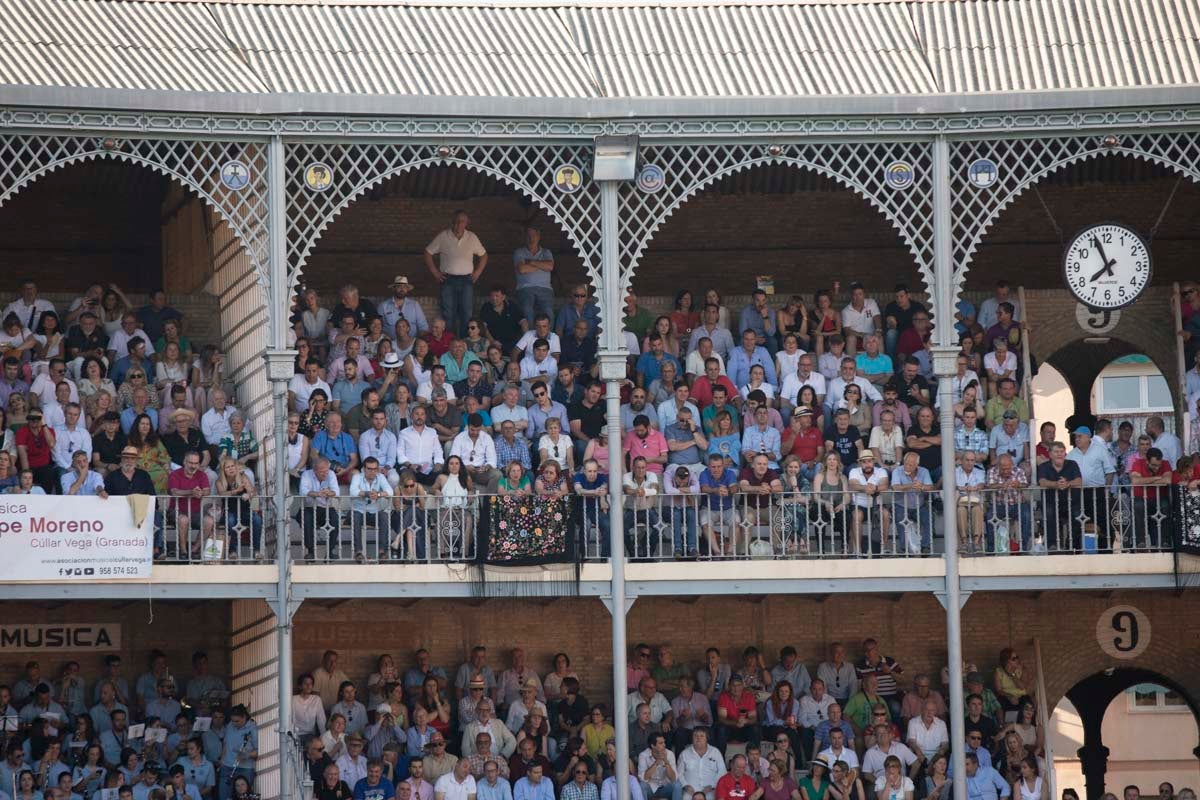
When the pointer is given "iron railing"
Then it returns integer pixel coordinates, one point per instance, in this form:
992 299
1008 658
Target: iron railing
802 525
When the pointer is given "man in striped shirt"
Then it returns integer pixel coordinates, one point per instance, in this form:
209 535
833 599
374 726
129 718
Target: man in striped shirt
885 669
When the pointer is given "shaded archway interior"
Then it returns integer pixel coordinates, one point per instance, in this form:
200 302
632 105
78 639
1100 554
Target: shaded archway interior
804 229
1082 361
384 232
1024 248
1091 697
109 221
105 221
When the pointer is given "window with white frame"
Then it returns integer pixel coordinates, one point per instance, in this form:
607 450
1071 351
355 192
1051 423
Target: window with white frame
1152 698
1132 385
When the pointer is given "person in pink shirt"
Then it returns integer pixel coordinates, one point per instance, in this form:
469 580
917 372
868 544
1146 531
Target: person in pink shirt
645 442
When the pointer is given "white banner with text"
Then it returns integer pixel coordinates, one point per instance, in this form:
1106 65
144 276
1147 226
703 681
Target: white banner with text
48 538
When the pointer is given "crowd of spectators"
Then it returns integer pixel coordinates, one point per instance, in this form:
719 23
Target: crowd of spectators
104 398
730 418
708 731
796 418
75 736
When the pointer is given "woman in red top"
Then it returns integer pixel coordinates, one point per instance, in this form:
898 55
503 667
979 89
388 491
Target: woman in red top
35 443
684 318
828 320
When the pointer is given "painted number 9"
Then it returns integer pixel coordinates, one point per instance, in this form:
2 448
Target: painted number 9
1126 626
1123 632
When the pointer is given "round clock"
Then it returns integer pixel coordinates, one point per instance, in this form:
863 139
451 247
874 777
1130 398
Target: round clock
1107 265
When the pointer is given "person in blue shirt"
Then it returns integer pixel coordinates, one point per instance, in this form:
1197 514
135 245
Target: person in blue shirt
649 364
198 769
184 788
338 446
534 786
374 786
761 437
760 318
592 487
491 786
580 309
240 750
983 782
718 484
743 358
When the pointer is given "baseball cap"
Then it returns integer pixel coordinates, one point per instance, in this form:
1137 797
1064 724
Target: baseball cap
1084 429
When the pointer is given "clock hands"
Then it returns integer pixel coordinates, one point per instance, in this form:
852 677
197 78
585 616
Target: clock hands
1108 264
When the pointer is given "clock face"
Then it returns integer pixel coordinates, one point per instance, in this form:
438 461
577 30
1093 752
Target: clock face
1107 265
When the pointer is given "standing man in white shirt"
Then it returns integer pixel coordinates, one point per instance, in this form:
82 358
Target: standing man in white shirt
1168 443
461 260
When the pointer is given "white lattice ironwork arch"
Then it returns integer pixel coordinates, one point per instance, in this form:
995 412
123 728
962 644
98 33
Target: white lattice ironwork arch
858 166
194 165
357 168
1023 163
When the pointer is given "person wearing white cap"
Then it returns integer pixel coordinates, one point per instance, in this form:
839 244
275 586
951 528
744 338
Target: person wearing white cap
401 305
866 483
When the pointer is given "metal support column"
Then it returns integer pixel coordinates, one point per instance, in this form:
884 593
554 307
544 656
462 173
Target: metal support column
279 368
944 358
612 372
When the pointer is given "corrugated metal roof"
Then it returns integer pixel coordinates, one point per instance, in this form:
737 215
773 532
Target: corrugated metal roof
763 51
1027 45
624 49
99 43
398 50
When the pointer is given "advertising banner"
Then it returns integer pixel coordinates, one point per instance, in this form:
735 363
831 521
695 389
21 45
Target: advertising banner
46 538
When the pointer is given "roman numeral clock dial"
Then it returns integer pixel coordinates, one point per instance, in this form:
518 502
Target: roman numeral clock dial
1107 266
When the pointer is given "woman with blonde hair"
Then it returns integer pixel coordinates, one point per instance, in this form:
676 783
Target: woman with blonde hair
237 513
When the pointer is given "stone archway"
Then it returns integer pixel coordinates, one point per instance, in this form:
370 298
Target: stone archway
1081 361
1091 698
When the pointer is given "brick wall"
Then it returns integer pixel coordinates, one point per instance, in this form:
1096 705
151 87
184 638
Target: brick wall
804 238
376 239
96 221
910 627
178 628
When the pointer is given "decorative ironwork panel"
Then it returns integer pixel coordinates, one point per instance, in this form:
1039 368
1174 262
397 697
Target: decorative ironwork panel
230 176
905 199
987 175
350 170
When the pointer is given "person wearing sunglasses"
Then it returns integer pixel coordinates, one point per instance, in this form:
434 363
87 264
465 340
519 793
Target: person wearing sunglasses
579 309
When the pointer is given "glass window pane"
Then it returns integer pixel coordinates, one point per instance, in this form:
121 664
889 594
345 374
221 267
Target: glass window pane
1122 392
1145 698
1158 394
1173 698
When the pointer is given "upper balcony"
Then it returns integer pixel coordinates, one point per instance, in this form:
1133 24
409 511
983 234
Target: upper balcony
800 543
